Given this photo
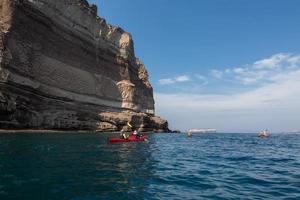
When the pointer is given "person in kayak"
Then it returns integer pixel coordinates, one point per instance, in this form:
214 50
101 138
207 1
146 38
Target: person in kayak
123 135
137 134
190 134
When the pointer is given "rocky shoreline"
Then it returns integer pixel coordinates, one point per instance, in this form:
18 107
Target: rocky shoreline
45 131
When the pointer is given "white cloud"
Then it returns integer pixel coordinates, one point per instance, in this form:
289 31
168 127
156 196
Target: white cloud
200 77
274 105
182 78
203 80
273 62
265 70
166 81
169 81
286 89
238 70
216 73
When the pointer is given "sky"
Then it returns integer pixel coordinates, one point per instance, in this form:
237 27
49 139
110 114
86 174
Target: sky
233 65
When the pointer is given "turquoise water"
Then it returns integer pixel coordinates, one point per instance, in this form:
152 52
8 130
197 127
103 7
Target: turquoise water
171 166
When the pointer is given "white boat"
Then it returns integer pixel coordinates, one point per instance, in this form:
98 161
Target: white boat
264 133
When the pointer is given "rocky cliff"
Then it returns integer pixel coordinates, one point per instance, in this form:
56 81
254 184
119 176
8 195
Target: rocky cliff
63 67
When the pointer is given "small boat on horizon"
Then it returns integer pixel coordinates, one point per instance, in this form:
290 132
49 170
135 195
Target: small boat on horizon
264 134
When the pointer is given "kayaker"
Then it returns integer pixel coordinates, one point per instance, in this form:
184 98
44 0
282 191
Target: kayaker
123 135
136 134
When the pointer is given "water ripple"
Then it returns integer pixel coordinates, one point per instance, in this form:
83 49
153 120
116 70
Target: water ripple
170 166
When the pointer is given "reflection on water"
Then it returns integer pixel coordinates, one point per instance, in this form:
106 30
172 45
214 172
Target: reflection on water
84 166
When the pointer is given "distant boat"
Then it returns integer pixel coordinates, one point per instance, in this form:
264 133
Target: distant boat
264 134
203 130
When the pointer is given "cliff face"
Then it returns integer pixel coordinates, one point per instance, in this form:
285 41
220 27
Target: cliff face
63 67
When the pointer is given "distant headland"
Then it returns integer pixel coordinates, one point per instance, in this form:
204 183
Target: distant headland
203 130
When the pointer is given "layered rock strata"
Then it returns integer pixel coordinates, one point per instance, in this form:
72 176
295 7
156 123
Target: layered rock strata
63 67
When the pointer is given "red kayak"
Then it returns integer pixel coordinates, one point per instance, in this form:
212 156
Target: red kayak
132 138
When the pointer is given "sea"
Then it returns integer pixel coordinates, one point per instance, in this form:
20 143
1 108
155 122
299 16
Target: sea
83 166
